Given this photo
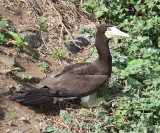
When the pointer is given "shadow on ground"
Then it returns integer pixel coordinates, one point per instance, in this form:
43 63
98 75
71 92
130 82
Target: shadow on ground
2 114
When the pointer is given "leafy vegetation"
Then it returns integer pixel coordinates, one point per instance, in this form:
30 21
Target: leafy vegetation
3 24
57 53
41 22
42 67
136 69
136 62
23 77
17 40
24 54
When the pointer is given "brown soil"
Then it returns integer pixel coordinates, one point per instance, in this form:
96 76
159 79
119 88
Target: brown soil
63 19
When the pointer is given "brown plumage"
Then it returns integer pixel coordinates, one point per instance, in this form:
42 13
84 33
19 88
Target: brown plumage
77 80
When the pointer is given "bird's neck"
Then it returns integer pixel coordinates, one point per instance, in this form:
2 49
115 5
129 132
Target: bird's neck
103 48
104 61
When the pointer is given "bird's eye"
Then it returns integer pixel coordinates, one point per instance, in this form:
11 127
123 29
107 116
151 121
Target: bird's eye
109 29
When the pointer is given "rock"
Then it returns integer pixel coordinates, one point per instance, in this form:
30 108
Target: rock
33 40
8 130
18 131
19 88
11 28
10 123
33 79
82 42
12 88
24 119
8 61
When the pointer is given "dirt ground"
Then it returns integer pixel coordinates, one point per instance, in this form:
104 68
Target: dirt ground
62 20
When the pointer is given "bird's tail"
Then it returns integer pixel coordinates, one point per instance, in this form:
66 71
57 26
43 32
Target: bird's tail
35 96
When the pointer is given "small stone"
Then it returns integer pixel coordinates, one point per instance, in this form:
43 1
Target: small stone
33 79
10 123
82 42
19 88
33 40
11 87
11 28
8 130
24 119
18 131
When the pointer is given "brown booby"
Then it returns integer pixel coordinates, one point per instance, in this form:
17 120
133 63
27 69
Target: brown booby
78 80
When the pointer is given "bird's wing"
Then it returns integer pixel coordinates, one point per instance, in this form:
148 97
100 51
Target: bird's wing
78 82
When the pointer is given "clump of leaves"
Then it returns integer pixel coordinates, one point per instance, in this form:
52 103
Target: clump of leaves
42 67
5 5
23 77
87 31
97 7
41 22
24 54
58 53
48 129
3 24
17 40
135 62
12 113
33 55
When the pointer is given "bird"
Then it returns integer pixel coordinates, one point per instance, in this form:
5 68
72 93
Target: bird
78 80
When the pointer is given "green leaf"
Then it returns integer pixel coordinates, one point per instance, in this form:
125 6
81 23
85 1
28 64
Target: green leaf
16 68
26 43
48 129
98 14
87 112
147 81
132 57
43 19
12 113
135 62
15 36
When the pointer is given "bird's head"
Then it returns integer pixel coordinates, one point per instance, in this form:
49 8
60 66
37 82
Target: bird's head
111 31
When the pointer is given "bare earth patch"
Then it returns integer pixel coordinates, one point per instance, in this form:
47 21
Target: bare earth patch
62 20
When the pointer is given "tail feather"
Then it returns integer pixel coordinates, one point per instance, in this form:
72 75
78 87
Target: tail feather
35 97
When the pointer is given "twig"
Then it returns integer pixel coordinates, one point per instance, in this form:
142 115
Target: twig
60 18
114 100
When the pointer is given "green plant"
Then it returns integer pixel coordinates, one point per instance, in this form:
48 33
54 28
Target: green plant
97 7
42 67
57 53
3 24
5 5
23 76
17 40
13 69
87 31
136 64
24 54
33 55
12 113
41 22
